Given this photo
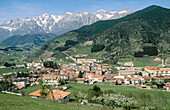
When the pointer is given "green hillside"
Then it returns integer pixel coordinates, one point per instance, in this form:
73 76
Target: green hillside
13 102
145 32
27 40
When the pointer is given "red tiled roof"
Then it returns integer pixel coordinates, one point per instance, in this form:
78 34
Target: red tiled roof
57 94
93 74
135 78
50 77
163 70
101 78
146 77
20 87
155 78
151 68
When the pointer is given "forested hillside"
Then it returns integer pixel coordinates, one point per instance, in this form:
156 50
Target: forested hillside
135 34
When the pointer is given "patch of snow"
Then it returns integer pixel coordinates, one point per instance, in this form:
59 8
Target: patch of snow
38 22
68 13
79 15
108 16
56 18
86 13
50 28
99 16
123 11
8 28
101 10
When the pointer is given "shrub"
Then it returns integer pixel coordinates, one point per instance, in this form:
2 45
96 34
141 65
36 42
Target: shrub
70 42
138 54
62 48
97 47
115 100
94 92
150 50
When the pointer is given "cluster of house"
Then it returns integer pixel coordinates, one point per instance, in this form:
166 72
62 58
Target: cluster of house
34 65
157 71
90 73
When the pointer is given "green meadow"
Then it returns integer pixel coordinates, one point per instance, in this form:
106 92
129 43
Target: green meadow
14 102
136 92
7 70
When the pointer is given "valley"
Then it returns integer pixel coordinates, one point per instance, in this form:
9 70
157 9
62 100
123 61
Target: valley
101 60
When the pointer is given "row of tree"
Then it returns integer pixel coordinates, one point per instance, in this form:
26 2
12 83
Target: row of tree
51 64
9 64
7 85
147 50
22 74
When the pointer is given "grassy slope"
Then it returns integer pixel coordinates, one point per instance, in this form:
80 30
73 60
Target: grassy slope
7 70
13 102
31 89
122 89
141 62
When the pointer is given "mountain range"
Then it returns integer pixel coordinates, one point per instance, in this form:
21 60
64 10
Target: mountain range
145 32
58 25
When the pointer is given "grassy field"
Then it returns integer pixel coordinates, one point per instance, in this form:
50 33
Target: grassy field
141 62
30 89
75 87
123 89
13 102
7 70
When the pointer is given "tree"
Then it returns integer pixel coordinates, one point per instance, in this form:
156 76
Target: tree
97 47
80 75
43 92
164 46
150 50
7 64
138 54
40 81
153 82
94 92
6 85
95 88
51 88
140 74
70 42
143 69
51 64
115 100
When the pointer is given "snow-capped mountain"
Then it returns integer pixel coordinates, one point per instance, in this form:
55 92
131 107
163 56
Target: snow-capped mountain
46 23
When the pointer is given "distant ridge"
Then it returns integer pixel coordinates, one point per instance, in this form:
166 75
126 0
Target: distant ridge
58 25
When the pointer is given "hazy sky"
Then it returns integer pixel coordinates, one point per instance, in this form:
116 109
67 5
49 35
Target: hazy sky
11 9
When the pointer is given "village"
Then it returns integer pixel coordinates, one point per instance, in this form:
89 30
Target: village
85 71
